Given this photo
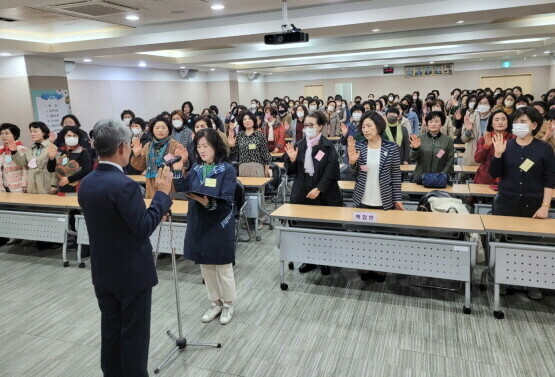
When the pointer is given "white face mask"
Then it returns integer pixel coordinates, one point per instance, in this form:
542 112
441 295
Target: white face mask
483 108
253 105
520 106
521 130
357 116
390 99
136 131
471 105
310 132
331 108
127 121
177 124
71 141
414 98
300 114
312 107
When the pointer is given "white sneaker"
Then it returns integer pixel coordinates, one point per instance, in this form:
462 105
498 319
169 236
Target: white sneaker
211 313
227 314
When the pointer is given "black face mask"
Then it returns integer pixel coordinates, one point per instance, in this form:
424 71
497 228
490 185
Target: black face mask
282 112
551 113
405 107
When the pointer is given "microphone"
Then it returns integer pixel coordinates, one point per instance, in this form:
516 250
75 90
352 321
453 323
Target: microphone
171 161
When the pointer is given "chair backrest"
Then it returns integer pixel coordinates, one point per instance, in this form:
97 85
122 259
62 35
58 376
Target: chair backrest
239 195
276 175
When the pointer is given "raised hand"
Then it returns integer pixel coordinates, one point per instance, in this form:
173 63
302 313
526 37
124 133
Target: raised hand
12 145
351 151
180 151
487 139
499 144
291 151
550 130
163 180
136 146
344 129
52 151
415 142
467 123
52 136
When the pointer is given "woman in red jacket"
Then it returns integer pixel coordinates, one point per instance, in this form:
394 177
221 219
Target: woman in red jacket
498 123
274 130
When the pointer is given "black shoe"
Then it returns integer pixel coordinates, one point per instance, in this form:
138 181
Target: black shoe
325 270
305 267
379 277
366 275
3 241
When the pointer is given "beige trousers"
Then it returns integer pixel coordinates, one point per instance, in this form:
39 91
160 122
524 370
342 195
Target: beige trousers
220 282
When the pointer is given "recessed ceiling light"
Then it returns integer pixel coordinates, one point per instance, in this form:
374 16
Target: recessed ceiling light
142 64
546 52
255 72
270 73
386 65
431 62
212 69
534 56
132 17
5 54
182 67
481 59
375 30
87 60
460 22
217 7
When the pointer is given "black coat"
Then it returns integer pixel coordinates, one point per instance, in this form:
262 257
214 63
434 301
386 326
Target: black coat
326 175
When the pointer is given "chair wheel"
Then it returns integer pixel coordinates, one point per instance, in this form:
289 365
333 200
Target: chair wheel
284 286
203 281
466 310
291 265
219 345
82 265
499 314
483 287
258 238
66 264
156 371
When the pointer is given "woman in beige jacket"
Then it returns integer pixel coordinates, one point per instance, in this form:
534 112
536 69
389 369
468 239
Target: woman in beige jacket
35 158
475 127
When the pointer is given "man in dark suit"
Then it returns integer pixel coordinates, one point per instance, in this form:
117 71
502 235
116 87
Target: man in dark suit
122 265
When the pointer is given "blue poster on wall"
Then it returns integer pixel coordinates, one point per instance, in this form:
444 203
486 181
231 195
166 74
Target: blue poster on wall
50 106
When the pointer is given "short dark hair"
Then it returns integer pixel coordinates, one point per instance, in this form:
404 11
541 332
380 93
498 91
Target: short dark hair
321 118
436 114
519 89
219 125
394 110
489 127
203 118
214 108
71 116
375 117
16 132
272 110
187 103
163 119
215 141
127 112
73 129
305 110
523 99
490 99
42 126
242 117
541 104
533 114
181 114
357 108
440 103
140 121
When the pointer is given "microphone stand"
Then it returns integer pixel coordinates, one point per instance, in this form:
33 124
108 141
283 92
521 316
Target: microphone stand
181 342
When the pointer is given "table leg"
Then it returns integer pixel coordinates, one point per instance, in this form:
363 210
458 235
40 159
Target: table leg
282 284
64 251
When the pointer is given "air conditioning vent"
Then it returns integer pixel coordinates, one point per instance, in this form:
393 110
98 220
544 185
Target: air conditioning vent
92 8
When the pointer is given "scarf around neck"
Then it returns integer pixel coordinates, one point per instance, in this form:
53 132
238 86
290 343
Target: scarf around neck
398 135
308 163
155 157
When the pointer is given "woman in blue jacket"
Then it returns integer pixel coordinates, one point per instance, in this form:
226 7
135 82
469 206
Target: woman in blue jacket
210 234
375 163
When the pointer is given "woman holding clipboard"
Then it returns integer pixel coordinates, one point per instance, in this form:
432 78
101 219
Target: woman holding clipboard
210 235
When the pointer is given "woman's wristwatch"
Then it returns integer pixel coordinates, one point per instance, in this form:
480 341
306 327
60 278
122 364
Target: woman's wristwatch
546 204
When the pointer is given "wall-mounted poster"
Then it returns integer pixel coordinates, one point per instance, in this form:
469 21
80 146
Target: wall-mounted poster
50 105
438 69
448 69
409 71
428 70
418 72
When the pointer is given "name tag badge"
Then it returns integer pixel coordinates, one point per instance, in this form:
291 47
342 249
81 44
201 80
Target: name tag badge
440 153
252 146
168 157
64 161
526 165
33 163
210 182
8 158
364 168
319 155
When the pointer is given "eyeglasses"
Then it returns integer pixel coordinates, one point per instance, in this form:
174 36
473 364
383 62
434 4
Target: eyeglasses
309 125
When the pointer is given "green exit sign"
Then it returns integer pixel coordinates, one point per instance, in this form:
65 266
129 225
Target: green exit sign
506 64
